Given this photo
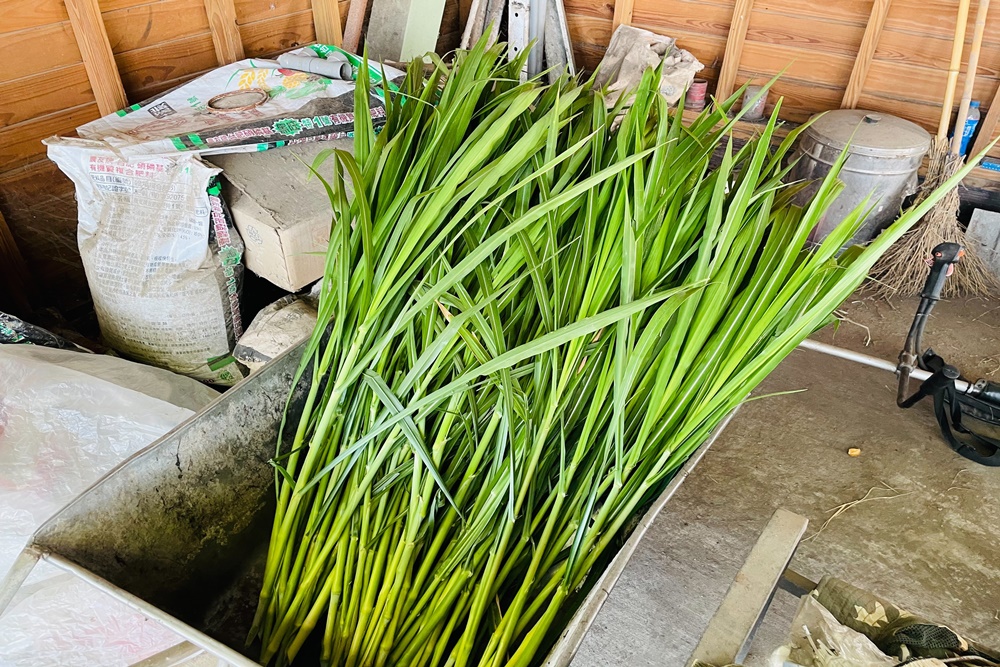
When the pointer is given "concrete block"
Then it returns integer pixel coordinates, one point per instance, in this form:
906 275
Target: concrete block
984 236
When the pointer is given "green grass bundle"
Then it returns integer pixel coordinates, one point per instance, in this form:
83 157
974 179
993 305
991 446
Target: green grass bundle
532 314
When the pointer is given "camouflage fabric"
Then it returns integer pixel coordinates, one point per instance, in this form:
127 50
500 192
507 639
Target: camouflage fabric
897 632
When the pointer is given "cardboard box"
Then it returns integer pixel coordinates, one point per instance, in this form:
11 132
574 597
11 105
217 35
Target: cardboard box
281 210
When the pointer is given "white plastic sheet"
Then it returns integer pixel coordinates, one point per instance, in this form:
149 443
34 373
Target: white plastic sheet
816 639
66 419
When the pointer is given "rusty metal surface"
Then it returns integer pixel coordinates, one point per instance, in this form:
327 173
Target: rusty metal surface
181 529
184 524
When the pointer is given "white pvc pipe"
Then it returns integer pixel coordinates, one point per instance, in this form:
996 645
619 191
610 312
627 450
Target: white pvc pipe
331 68
536 31
868 360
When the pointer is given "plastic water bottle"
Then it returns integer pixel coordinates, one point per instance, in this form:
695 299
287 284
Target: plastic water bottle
969 129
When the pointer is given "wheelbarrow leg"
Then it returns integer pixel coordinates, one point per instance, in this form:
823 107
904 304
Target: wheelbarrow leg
19 571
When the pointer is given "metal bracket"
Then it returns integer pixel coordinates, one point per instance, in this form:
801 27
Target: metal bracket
518 30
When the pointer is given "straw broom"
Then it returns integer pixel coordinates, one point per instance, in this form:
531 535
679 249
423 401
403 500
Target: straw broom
901 271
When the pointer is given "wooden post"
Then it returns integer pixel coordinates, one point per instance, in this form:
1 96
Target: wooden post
400 30
623 14
474 26
987 126
326 18
225 33
734 49
876 20
98 59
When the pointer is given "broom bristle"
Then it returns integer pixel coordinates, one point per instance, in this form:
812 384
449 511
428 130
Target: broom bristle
902 270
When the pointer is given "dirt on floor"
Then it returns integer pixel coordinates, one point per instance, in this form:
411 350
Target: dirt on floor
964 331
907 519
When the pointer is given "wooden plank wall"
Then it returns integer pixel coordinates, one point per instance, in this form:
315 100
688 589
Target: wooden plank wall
45 90
815 43
158 44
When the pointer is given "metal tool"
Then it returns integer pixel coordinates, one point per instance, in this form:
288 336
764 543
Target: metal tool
957 400
954 408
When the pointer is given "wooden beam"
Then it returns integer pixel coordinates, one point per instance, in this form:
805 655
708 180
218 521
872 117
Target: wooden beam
863 61
225 32
326 18
988 126
623 14
475 24
98 59
734 49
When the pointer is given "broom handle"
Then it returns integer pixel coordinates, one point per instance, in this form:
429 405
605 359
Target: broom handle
970 74
954 68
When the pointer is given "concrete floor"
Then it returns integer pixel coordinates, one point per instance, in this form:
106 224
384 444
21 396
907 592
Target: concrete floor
929 542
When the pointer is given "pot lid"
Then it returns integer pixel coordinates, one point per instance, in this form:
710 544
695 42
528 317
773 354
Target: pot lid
869 133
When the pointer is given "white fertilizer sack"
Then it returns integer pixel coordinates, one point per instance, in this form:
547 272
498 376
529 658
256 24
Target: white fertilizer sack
162 258
300 107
